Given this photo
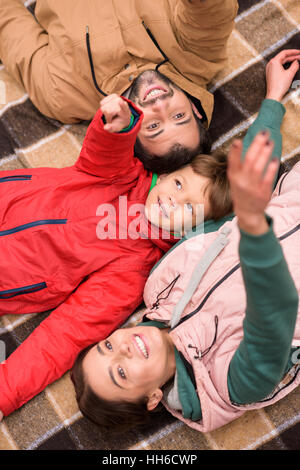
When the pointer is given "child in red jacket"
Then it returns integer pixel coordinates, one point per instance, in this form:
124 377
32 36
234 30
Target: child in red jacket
82 240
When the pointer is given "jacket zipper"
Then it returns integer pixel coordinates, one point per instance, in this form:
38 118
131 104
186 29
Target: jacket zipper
282 237
208 295
88 46
7 294
166 59
15 178
279 389
33 224
89 51
295 229
199 354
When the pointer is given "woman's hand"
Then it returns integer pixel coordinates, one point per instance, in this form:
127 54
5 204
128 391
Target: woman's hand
279 79
251 182
116 112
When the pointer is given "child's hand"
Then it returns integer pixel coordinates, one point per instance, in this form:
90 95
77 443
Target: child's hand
116 112
251 182
279 79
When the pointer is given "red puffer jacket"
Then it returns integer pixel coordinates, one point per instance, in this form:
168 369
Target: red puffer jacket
54 254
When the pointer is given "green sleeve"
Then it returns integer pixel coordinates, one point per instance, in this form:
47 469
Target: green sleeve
260 361
269 118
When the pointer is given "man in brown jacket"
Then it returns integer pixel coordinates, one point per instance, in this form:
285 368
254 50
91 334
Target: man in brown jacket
160 53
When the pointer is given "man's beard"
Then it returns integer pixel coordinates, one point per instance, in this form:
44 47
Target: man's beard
148 78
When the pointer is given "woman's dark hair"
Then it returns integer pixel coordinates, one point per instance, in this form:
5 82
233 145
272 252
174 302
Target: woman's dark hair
177 156
214 167
118 416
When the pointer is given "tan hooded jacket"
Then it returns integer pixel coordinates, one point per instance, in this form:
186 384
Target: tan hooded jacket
185 39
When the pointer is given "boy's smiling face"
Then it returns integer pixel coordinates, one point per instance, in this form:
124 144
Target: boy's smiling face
179 201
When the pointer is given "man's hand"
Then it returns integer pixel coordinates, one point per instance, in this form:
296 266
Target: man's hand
116 112
251 182
278 78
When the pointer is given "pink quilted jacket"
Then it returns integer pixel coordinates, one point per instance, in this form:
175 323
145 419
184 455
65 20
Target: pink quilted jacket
220 295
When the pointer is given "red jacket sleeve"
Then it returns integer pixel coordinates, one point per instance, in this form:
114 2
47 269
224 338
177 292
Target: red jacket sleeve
105 154
98 306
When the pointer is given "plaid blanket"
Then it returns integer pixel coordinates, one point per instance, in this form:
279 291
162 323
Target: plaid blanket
27 139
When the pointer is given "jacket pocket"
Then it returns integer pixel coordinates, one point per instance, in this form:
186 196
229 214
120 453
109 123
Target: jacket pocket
8 294
5 179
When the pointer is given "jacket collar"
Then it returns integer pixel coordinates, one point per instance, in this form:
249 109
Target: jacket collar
181 395
206 227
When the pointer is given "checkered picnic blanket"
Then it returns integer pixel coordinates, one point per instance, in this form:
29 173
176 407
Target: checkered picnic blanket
27 139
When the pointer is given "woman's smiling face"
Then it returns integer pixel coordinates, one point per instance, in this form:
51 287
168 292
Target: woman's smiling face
130 364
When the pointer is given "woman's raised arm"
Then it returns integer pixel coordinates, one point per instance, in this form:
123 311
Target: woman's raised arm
260 361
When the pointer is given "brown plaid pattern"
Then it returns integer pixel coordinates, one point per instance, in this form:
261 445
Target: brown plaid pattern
27 139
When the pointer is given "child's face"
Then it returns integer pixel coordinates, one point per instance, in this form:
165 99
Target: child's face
178 202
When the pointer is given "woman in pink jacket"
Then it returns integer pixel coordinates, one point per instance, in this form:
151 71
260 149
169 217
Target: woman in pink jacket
221 331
